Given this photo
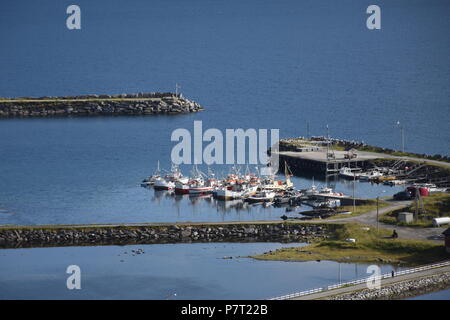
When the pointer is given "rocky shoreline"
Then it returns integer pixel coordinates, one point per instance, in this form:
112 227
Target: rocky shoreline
98 105
401 290
16 237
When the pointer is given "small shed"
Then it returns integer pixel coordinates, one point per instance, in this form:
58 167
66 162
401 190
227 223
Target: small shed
406 217
446 234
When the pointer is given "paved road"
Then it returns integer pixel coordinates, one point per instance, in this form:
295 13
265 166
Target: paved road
389 156
384 282
370 218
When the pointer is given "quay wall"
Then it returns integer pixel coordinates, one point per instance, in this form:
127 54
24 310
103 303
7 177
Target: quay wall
43 236
401 290
98 105
299 166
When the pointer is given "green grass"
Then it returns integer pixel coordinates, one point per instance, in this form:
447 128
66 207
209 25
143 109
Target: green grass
436 205
369 247
361 209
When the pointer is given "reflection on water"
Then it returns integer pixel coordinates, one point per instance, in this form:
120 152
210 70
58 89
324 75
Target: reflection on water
192 271
206 208
439 295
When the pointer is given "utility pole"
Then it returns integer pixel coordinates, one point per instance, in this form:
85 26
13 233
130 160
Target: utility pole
328 142
307 129
402 132
354 186
378 211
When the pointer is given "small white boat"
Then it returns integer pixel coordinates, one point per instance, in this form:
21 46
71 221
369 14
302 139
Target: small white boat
370 175
263 196
235 192
329 193
394 182
163 184
152 179
348 173
431 187
330 203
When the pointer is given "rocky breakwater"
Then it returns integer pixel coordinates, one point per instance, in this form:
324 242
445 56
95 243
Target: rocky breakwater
401 290
11 237
98 105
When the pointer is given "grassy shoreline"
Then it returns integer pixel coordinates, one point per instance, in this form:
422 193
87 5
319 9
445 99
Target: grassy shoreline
369 247
436 205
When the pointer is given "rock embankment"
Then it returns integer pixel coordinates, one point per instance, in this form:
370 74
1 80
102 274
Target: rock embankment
98 105
401 290
103 235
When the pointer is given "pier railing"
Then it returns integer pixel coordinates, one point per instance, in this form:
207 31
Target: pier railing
362 280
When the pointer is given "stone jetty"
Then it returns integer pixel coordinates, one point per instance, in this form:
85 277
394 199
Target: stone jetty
98 105
401 290
43 236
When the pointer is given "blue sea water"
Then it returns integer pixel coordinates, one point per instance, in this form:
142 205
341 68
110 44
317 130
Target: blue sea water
439 295
191 271
251 64
281 64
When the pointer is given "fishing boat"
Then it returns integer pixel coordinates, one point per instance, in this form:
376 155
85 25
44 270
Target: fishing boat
235 192
370 175
200 189
163 184
329 193
330 203
311 191
394 182
348 173
278 185
151 180
431 187
181 188
263 196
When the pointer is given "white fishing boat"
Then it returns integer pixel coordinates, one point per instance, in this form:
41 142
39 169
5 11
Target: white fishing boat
329 193
181 188
235 192
151 180
348 173
263 196
370 175
311 191
330 203
200 189
394 182
431 187
278 185
163 184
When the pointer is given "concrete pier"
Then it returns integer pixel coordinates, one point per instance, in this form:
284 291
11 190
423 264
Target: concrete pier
317 161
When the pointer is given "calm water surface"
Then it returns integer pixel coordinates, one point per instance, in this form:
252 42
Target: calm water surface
192 271
252 64
440 295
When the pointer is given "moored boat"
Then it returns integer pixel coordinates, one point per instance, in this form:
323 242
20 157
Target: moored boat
348 173
263 196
